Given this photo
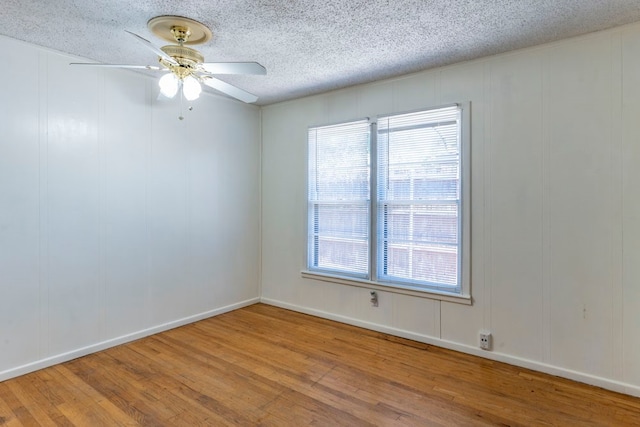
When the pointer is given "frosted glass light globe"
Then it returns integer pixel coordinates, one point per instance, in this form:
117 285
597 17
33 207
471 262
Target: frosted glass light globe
191 88
168 85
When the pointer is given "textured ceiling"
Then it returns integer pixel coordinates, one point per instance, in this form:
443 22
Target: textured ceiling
313 46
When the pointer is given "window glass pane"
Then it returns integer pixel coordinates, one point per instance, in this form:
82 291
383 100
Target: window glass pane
420 223
429 264
342 220
339 210
418 194
342 255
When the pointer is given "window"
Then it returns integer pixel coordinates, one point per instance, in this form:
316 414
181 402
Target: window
339 189
388 201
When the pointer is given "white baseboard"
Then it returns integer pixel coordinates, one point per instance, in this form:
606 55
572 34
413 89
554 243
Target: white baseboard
582 377
74 354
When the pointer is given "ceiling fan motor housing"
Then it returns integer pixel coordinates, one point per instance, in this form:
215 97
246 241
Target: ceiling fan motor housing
187 58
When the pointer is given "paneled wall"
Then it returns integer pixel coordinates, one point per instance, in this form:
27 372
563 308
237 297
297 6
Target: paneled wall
555 208
117 219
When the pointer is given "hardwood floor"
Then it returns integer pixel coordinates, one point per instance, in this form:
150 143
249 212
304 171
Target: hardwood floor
263 365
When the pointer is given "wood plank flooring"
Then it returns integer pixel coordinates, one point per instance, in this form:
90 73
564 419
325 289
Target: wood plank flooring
263 365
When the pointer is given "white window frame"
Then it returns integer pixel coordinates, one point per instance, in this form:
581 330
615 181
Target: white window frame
464 294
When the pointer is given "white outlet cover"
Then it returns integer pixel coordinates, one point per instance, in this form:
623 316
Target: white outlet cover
484 340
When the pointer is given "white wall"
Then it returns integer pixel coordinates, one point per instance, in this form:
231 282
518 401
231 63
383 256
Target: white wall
116 219
555 208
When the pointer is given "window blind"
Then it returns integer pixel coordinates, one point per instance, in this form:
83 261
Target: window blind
338 198
418 198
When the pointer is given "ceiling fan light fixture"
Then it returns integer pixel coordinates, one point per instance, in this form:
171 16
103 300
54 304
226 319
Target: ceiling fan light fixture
184 67
191 88
168 85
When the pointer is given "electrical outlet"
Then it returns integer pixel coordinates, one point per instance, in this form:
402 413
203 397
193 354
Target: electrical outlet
374 298
485 340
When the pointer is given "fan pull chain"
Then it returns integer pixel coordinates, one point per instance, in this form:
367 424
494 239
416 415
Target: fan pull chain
190 108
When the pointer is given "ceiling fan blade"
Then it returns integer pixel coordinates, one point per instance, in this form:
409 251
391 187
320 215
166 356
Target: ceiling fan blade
229 89
139 67
234 68
154 49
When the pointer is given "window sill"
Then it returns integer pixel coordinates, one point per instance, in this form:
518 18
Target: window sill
394 288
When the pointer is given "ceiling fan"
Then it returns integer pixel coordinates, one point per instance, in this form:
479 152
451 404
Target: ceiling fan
186 67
